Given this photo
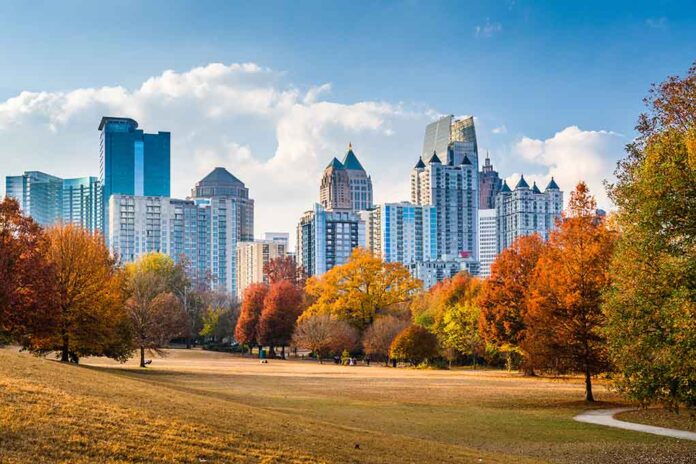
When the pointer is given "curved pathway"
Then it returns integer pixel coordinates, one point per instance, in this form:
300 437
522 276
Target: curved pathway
606 417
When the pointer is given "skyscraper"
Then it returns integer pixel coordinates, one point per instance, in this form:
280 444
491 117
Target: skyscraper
346 185
326 238
49 199
220 183
489 185
132 162
488 240
451 138
525 211
251 259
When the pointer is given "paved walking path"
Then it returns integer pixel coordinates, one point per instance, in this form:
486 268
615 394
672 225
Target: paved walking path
606 417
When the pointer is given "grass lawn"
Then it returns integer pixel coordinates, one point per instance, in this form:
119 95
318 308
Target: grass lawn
195 406
682 420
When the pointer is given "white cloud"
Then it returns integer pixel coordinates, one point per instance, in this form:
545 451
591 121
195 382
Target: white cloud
657 23
488 29
247 118
499 130
570 156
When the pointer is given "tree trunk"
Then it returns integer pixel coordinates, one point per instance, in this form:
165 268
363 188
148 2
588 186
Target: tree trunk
588 386
142 356
65 353
188 343
282 352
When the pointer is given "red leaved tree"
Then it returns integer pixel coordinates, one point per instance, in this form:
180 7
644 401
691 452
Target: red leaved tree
282 306
285 268
246 331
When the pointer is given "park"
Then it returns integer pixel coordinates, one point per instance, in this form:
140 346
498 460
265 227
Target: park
198 406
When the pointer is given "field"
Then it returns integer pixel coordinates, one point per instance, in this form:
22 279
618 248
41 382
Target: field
195 406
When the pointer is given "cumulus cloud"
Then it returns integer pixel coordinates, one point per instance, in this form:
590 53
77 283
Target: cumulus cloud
572 155
499 130
487 30
247 118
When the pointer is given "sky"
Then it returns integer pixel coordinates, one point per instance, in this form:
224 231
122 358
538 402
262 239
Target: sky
273 90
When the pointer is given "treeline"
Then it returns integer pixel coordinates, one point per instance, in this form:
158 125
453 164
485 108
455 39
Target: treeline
62 292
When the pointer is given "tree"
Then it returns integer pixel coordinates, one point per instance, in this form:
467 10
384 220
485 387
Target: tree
285 268
414 344
191 296
281 308
220 316
88 298
503 298
322 334
26 290
380 335
155 314
361 289
565 320
651 304
246 331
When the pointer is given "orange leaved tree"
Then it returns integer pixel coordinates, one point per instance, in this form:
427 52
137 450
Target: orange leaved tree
246 330
565 322
281 308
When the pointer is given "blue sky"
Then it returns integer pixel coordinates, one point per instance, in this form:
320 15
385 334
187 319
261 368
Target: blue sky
527 70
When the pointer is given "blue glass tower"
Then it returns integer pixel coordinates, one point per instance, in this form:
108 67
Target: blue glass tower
132 162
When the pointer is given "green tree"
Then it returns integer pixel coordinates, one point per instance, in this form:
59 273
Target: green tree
651 305
414 344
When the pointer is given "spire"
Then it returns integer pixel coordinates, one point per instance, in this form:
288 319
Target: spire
505 188
535 189
420 164
552 185
522 183
435 159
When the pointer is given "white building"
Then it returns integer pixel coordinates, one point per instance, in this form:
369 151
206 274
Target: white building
401 232
525 211
326 238
487 240
446 267
251 259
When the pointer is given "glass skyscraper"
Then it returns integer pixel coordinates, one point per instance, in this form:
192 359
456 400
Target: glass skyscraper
132 162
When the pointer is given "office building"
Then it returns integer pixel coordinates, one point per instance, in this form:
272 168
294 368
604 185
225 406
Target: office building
326 238
433 271
525 211
278 237
488 240
451 138
345 186
82 203
132 162
251 259
401 232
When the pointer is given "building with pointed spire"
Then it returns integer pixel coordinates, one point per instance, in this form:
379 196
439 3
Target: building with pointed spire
346 186
490 184
526 210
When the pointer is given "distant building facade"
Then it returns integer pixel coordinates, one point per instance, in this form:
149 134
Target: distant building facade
526 210
488 240
490 184
445 267
251 259
346 185
49 199
132 162
401 232
326 238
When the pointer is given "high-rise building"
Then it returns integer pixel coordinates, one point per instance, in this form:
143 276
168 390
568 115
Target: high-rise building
251 259
525 211
132 162
401 232
346 185
434 271
453 138
278 237
49 199
220 183
39 195
488 240
490 184
453 190
326 238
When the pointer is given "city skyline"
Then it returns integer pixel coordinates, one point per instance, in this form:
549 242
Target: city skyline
275 123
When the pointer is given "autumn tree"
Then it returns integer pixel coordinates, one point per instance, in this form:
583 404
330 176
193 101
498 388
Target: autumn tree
26 290
155 314
361 289
285 268
503 298
220 316
564 321
282 306
191 294
246 331
322 334
379 336
414 344
651 304
87 298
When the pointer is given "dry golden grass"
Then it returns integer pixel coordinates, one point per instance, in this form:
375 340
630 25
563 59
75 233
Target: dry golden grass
682 420
195 406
